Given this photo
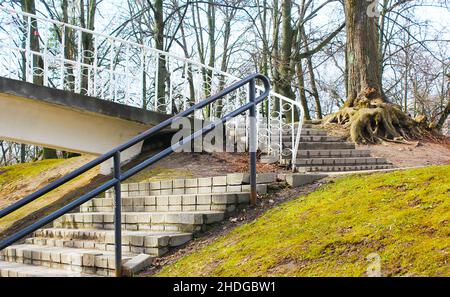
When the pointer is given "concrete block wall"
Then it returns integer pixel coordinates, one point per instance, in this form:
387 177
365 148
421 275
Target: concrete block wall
231 183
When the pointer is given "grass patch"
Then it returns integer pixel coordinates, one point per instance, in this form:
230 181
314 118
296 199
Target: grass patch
18 181
16 173
401 216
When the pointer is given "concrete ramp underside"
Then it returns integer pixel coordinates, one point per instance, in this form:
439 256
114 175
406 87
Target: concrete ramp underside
66 121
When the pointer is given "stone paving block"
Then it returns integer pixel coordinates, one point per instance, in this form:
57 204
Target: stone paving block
219 181
178 183
133 187
175 200
162 207
266 178
191 183
205 190
219 189
88 260
237 178
131 219
155 185
205 182
175 207
137 264
203 199
76 259
191 190
179 191
261 189
234 188
200 207
189 207
167 191
138 201
189 199
150 201
101 262
143 218
223 199
144 187
166 184
213 217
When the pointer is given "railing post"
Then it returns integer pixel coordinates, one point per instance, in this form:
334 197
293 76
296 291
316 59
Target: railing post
117 216
252 142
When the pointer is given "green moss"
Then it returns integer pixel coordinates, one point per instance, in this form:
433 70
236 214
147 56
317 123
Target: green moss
402 216
19 180
13 173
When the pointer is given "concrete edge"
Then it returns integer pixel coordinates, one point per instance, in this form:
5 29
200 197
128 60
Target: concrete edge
137 264
80 102
377 170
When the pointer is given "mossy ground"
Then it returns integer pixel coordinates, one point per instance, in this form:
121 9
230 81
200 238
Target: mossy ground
18 181
14 173
402 216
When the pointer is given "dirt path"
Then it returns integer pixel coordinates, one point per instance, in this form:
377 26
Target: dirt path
402 155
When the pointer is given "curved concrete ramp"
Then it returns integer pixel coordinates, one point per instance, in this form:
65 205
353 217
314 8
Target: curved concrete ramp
67 121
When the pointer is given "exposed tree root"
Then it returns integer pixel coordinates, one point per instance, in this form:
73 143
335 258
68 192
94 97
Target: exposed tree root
373 123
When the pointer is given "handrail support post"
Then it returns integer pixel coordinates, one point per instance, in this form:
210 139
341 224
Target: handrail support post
117 216
252 142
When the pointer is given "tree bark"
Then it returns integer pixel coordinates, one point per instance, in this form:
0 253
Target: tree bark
370 115
443 117
364 72
312 78
301 86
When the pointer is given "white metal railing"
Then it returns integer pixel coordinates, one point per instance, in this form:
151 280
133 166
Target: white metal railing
63 56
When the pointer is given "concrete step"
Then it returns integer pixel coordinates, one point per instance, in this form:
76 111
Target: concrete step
288 138
227 202
286 131
273 125
322 145
340 161
343 168
317 154
147 242
13 269
188 221
89 261
313 122
210 185
345 153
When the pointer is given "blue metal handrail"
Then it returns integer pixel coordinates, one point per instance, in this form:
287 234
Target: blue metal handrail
118 176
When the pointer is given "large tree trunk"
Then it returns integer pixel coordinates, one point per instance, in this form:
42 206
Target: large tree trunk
362 54
443 117
286 49
368 113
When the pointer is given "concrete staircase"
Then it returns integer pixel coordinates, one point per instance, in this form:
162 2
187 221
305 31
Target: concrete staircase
156 217
319 152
